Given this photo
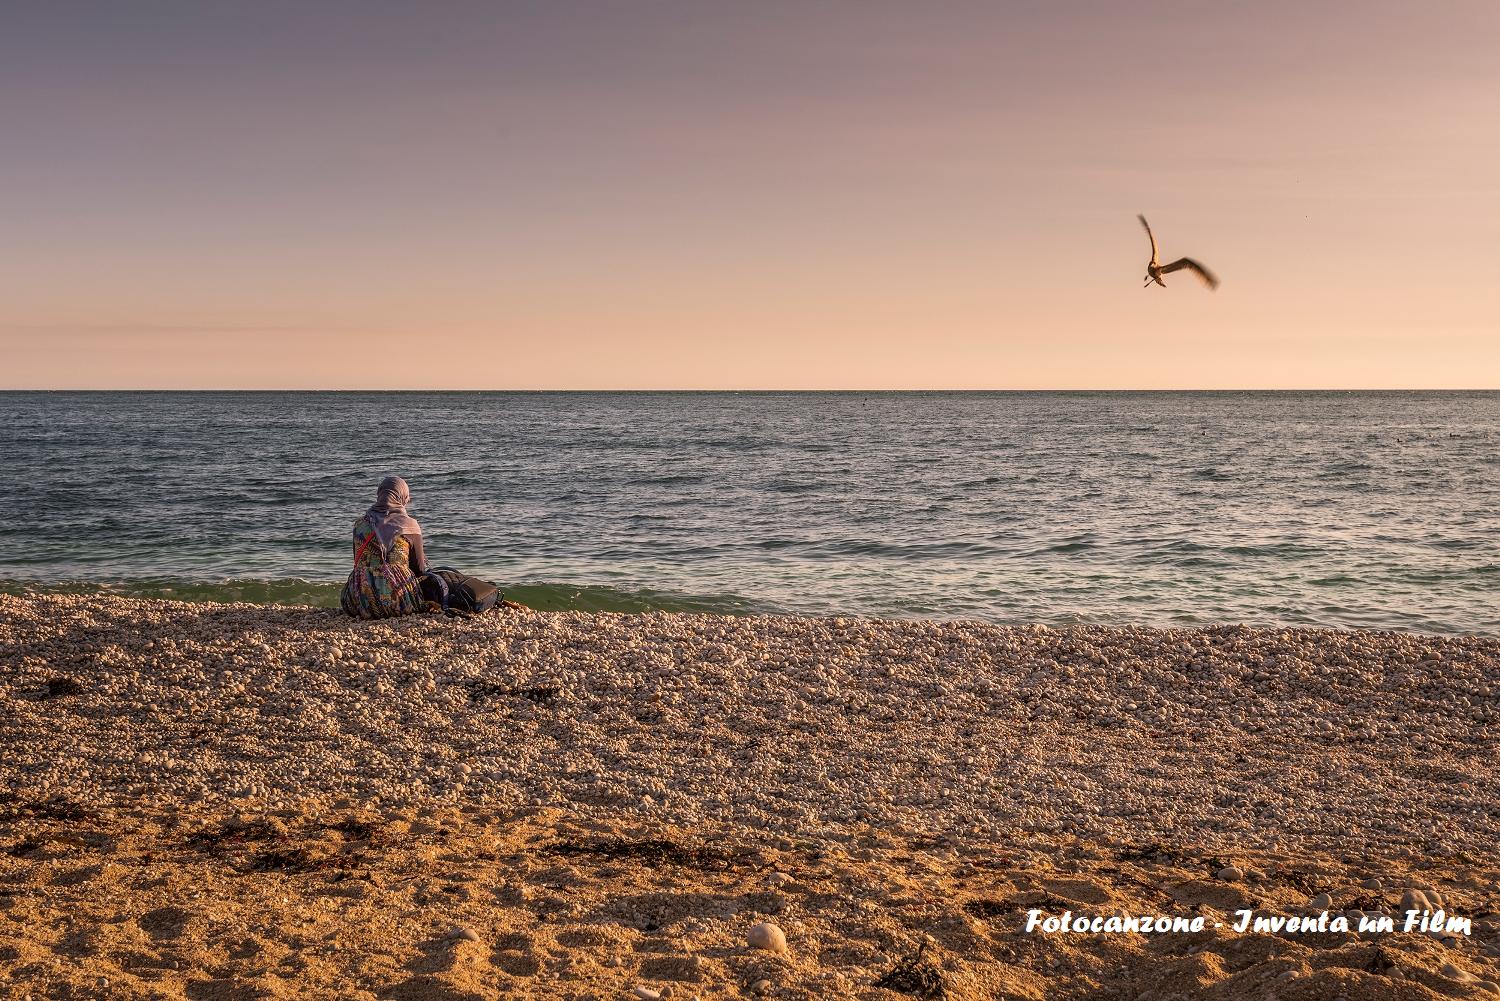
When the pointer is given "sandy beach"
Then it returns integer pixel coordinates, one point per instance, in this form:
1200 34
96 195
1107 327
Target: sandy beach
235 801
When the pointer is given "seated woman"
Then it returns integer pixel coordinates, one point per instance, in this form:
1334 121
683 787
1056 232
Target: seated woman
388 557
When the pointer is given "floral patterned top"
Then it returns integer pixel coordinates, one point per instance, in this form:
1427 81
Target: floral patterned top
380 586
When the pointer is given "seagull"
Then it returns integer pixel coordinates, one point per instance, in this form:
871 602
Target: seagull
1154 271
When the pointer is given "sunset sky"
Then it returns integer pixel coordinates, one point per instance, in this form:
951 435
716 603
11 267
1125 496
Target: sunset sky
748 195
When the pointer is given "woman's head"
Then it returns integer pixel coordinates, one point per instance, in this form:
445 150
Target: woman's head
388 513
392 493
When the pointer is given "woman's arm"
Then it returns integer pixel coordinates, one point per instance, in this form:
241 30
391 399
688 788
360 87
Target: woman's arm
416 557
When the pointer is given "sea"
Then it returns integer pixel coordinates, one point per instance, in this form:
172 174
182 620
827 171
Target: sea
1367 510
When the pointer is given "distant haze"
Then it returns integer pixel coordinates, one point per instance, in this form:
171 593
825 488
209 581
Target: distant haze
739 195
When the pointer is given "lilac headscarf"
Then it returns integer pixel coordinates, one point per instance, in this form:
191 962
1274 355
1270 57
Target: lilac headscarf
388 514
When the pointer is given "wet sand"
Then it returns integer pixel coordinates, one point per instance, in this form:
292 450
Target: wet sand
246 802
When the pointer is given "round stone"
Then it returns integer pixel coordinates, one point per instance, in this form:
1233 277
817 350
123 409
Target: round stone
768 936
1454 973
1415 900
1230 874
1321 902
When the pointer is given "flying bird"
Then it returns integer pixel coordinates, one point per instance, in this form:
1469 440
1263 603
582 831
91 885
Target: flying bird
1154 271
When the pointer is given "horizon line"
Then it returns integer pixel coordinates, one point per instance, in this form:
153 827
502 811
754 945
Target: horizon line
1055 389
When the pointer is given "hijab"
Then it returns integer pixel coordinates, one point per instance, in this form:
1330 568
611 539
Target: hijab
388 513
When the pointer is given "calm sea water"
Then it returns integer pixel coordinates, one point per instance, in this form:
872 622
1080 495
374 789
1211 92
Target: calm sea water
1336 509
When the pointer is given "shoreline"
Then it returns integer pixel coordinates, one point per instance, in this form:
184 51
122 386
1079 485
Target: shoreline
589 599
894 772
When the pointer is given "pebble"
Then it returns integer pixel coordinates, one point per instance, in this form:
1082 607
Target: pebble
647 994
1453 972
768 936
464 934
1230 874
761 986
1373 883
1321 902
1415 900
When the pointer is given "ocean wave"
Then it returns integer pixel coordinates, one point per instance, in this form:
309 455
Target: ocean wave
600 598
1066 548
283 591
550 597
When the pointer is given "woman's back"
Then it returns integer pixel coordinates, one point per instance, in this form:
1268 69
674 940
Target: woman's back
380 586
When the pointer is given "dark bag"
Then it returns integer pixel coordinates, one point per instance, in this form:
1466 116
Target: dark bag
458 592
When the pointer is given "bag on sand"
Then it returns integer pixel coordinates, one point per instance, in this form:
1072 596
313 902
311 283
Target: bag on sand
458 592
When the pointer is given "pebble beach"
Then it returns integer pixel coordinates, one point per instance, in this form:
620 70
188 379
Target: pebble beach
238 801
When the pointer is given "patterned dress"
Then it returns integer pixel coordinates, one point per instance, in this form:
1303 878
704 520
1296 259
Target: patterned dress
380 586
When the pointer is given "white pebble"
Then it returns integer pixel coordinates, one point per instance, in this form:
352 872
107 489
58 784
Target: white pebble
767 936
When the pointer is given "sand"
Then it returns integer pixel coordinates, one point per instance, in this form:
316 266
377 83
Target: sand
232 801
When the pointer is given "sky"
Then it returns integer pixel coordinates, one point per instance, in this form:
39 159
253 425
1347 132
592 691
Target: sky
659 195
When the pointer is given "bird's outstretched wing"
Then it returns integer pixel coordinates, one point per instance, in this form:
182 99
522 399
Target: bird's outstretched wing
1193 266
1149 237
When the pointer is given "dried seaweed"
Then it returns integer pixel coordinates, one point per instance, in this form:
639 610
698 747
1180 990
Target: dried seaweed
537 695
60 687
917 977
215 838
652 851
291 860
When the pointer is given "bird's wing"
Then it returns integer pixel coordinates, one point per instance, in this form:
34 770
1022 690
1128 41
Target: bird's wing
1149 236
1193 266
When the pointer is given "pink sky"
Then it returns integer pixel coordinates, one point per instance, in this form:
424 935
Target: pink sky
775 195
